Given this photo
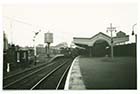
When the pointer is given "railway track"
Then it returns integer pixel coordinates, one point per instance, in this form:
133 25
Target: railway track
54 72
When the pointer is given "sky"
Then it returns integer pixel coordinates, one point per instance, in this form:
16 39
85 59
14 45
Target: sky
65 21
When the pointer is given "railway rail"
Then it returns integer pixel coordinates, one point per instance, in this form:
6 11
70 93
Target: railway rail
42 77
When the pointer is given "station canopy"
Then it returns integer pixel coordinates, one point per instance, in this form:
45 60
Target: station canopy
121 37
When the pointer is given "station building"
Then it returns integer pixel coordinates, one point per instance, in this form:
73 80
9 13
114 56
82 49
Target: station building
99 45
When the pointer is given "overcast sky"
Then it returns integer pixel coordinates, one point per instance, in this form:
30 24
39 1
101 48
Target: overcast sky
65 21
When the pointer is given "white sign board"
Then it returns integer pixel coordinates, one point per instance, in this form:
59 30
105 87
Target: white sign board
121 39
48 38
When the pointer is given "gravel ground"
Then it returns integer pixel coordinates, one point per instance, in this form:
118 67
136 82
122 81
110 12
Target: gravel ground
104 73
42 59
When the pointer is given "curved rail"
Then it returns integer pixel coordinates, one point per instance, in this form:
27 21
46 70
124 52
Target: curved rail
58 69
66 87
45 77
26 76
57 87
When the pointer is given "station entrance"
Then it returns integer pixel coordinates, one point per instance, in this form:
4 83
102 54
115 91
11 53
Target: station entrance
100 48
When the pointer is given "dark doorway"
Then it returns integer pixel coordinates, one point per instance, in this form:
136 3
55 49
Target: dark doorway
100 48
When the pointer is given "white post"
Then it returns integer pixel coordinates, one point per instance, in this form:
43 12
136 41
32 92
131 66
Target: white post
34 52
18 57
34 49
8 67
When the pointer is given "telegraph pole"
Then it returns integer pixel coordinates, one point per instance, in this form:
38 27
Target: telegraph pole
34 39
11 27
111 29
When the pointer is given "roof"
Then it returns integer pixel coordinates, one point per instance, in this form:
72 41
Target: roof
92 36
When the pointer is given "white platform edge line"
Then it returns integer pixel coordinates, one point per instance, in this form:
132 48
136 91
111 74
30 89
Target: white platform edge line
69 74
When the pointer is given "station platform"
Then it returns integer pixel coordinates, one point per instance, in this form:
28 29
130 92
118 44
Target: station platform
102 73
74 79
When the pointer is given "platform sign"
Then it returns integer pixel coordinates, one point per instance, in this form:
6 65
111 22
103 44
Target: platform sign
121 39
48 38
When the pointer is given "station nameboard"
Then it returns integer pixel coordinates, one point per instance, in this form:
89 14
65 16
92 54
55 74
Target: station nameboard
48 37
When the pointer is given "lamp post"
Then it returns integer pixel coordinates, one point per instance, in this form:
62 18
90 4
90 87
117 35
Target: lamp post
34 39
111 29
133 33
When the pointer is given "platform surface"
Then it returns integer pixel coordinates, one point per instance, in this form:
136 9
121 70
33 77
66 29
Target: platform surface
90 73
105 73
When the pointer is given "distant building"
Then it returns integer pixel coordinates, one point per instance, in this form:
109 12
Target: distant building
61 45
120 34
53 49
57 49
40 49
40 45
5 43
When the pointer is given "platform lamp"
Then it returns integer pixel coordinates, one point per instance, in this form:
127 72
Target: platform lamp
133 33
